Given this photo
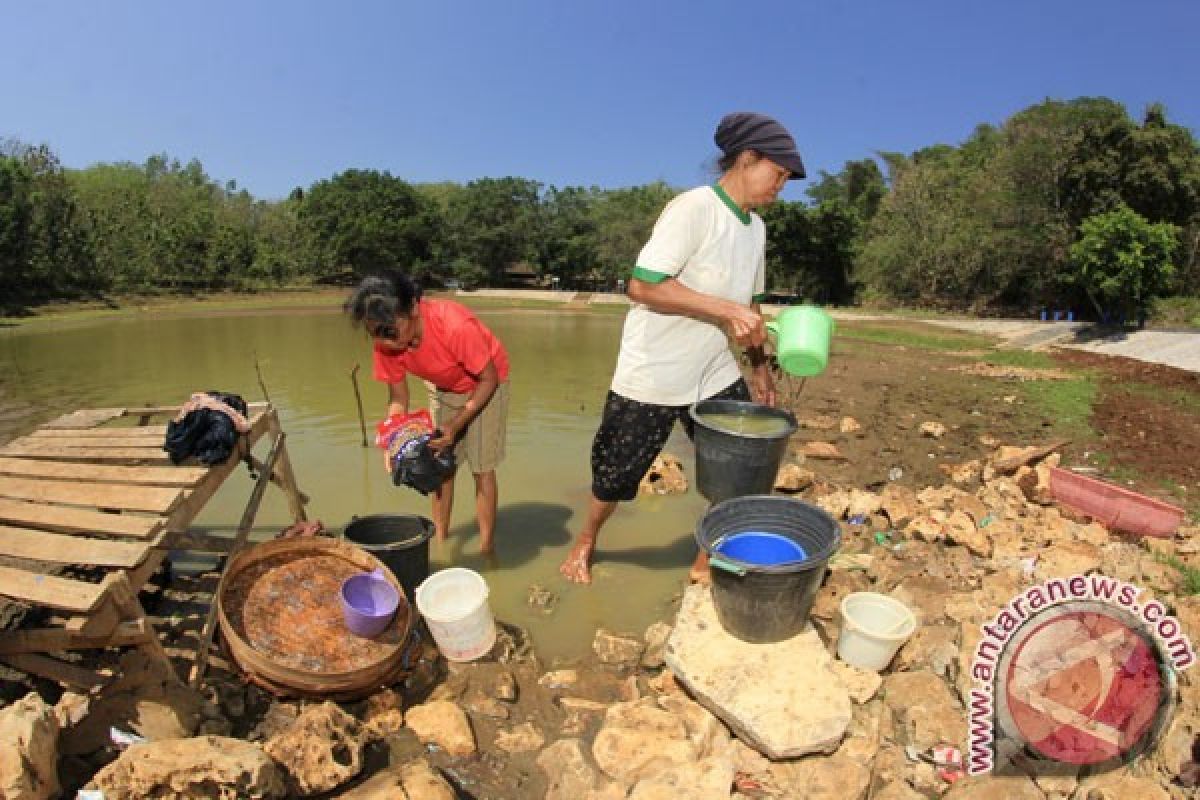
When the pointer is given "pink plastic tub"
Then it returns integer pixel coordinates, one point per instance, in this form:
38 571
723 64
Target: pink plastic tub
1114 506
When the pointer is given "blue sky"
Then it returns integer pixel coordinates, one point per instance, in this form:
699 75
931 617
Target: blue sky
616 93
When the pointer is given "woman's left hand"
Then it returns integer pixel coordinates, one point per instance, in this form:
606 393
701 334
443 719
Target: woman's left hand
443 440
762 386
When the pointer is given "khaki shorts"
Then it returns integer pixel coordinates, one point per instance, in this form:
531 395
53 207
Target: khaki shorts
483 443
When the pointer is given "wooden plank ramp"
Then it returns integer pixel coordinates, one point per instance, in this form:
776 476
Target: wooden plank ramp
40 448
153 499
50 591
77 520
85 418
61 549
83 434
103 473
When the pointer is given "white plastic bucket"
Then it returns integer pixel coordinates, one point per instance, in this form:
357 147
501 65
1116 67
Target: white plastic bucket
874 627
454 604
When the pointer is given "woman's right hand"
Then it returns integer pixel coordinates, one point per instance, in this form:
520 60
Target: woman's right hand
745 325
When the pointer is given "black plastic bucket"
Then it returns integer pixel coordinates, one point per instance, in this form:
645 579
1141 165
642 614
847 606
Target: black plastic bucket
400 541
733 464
766 599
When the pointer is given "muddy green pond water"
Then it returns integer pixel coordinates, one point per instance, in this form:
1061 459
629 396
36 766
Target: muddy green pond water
562 362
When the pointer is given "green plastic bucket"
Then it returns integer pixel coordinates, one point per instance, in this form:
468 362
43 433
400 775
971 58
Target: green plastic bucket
802 335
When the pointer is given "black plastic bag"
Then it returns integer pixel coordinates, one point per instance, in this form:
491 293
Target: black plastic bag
421 468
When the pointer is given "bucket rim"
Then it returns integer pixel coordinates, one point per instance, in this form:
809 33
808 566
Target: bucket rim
813 561
450 572
744 408
426 525
910 622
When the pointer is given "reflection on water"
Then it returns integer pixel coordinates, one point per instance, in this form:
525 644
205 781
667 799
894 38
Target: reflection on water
561 366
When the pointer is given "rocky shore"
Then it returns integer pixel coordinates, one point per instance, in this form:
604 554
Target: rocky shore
682 709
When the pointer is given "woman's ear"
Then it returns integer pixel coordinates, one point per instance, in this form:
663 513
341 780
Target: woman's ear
748 158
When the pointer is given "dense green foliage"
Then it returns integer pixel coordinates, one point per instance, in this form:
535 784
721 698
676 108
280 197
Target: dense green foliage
1122 261
1064 202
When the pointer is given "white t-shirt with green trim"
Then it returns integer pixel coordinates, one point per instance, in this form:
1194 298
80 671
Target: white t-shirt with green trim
706 242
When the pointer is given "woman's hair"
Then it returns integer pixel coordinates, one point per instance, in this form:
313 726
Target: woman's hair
381 298
725 161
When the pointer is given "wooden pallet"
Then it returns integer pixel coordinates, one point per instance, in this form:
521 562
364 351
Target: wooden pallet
86 490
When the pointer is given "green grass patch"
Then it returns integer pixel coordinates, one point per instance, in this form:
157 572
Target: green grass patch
1188 401
1068 403
907 336
1176 312
1026 359
1190 575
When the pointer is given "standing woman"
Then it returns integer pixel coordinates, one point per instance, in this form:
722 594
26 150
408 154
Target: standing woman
465 368
696 284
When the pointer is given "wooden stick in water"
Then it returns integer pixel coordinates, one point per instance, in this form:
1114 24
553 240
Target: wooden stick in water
362 422
261 383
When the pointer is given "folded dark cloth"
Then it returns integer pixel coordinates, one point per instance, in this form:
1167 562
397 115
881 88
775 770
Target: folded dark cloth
207 428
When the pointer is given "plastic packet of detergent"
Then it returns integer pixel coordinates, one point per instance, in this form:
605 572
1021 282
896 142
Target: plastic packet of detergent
401 434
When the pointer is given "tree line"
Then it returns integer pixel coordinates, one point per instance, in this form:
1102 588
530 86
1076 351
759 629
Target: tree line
1064 204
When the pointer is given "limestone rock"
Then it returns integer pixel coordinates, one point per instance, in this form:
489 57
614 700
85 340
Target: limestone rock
960 528
613 648
638 739
839 584
934 430
656 641
793 478
838 777
850 425
384 715
933 648
702 779
1119 786
524 738
145 699
421 782
926 528
571 777
445 724
897 790
900 504
991 787
783 699
559 679
28 750
862 684
321 750
477 701
202 768
835 503
822 450
665 476
926 711
863 504
415 780
1067 558
819 422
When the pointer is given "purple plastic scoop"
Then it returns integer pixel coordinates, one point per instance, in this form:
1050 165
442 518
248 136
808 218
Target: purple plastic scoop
369 601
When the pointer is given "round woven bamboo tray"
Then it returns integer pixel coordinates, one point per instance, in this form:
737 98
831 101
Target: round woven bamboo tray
280 617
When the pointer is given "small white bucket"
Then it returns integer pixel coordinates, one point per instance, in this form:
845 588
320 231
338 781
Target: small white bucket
874 627
455 607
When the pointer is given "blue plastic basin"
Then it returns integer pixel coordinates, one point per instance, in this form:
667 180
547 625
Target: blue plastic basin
761 547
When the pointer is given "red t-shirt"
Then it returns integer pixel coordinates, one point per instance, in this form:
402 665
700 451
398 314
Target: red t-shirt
455 347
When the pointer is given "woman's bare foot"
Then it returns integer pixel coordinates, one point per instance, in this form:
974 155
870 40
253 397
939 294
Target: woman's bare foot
577 566
699 571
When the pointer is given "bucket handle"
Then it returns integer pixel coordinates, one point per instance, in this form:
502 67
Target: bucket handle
728 566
